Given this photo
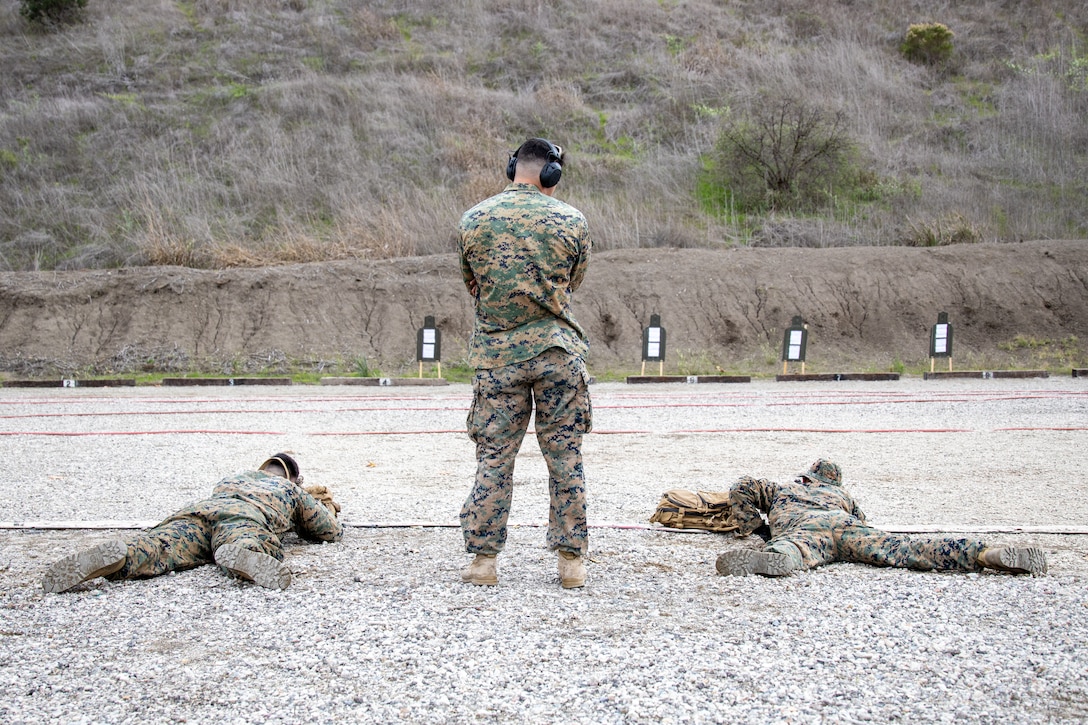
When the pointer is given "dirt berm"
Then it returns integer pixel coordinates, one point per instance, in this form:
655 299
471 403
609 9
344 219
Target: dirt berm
1019 304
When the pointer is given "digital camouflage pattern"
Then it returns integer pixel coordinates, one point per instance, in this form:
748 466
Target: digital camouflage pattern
502 403
523 254
252 509
816 523
824 471
527 252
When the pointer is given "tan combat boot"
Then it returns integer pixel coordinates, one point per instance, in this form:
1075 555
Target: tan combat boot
482 571
1030 560
261 569
745 562
101 560
572 572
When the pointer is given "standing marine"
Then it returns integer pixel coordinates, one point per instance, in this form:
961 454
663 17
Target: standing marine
523 254
814 521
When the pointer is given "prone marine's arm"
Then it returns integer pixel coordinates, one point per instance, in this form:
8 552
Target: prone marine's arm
318 515
749 498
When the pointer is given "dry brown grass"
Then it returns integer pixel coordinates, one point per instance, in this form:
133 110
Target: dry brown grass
245 132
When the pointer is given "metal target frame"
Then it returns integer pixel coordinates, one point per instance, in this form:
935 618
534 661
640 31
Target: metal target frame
795 344
653 344
429 345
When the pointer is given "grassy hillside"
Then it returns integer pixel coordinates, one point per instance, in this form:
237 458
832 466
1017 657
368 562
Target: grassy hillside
247 132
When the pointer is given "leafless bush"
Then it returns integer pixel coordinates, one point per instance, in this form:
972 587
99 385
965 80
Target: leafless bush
30 251
951 228
782 153
801 232
147 358
35 367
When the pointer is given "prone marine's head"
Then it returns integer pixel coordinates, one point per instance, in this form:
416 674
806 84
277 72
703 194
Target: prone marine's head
284 466
823 471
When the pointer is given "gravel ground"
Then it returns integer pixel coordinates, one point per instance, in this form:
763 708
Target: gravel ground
380 628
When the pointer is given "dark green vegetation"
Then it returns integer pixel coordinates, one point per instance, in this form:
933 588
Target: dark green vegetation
247 132
47 13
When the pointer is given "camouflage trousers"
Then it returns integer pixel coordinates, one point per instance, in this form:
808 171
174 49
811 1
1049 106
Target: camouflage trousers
190 537
812 544
502 403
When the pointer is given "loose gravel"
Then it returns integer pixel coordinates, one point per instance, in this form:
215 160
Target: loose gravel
379 628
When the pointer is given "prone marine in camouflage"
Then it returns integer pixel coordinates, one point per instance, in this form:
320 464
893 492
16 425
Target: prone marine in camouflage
238 527
814 521
523 253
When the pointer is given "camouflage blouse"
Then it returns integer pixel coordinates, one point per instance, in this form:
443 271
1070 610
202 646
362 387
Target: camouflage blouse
528 252
283 505
800 503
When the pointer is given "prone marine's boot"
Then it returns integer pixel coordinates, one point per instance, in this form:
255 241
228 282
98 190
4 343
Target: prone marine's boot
744 562
101 560
261 569
1029 560
572 570
482 571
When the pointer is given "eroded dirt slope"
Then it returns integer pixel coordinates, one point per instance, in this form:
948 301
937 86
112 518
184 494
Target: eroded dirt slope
864 306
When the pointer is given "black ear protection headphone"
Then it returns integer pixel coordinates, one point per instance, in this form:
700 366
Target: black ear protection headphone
549 173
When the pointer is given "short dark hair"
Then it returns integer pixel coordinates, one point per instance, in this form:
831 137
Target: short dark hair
540 149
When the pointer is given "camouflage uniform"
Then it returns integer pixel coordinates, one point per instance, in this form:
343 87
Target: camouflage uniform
528 253
251 509
815 522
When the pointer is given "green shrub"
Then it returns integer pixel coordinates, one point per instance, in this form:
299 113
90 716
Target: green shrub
8 160
47 12
361 367
927 43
